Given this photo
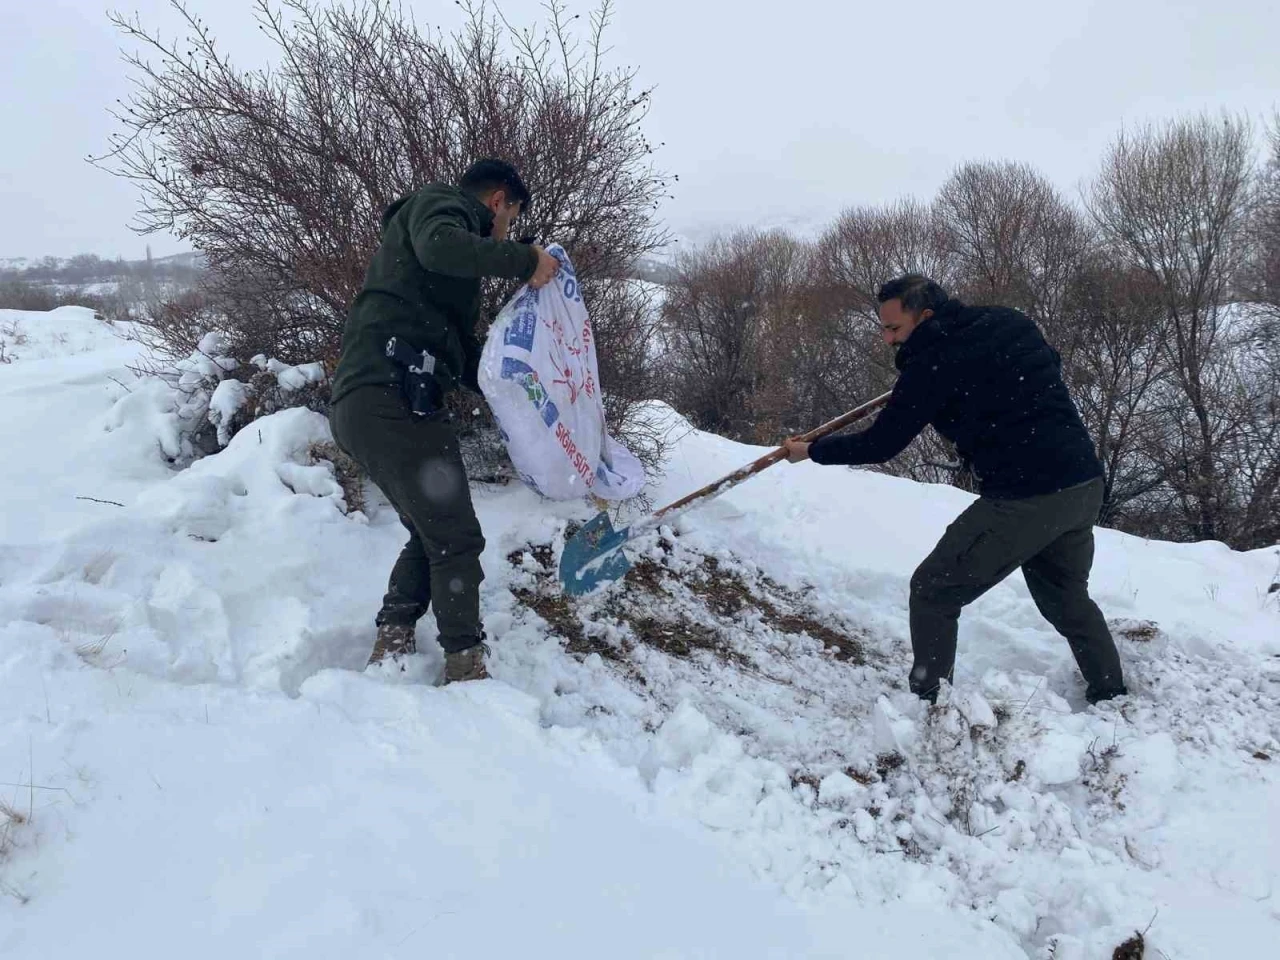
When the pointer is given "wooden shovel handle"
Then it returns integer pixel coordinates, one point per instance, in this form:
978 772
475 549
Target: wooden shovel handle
768 460
845 419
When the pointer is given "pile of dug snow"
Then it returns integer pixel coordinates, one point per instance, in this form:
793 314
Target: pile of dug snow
715 758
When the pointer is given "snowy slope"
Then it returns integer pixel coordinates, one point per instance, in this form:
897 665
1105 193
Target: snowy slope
58 395
194 759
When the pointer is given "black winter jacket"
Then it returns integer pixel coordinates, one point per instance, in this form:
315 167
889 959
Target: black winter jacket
988 382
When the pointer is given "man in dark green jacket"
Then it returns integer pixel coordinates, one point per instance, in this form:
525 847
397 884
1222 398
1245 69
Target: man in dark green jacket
409 341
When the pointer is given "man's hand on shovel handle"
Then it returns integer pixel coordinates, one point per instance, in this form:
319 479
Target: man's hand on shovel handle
797 450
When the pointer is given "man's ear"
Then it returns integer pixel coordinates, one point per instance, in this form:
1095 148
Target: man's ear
497 200
925 314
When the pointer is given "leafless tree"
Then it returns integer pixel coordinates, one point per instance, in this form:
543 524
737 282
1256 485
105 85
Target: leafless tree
868 245
1261 281
865 247
1174 201
1012 238
1170 346
1113 366
1254 450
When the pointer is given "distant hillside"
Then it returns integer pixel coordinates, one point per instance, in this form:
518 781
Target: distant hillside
653 269
87 268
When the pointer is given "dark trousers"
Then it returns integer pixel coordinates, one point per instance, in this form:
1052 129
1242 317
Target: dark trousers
417 464
1051 538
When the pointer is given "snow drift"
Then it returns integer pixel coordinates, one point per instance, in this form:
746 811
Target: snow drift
717 758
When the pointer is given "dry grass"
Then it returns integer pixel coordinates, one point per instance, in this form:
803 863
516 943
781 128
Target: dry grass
887 763
11 335
94 652
1140 631
681 637
684 604
1135 948
808 779
727 594
10 819
1102 779
346 471
554 607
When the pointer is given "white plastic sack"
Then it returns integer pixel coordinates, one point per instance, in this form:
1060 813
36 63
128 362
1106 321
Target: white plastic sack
540 376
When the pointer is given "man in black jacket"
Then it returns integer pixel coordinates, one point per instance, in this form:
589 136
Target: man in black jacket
986 380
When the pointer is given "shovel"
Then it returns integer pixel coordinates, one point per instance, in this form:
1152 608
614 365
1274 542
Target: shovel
594 554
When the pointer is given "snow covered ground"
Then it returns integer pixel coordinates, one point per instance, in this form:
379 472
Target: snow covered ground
193 759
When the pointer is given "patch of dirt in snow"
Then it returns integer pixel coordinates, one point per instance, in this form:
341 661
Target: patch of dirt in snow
1140 631
1132 949
683 603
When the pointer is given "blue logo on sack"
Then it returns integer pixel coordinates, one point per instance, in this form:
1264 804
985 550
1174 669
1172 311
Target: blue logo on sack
568 275
524 324
517 371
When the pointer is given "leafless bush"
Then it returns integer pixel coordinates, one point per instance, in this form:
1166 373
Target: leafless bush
628 318
280 177
722 317
172 326
20 295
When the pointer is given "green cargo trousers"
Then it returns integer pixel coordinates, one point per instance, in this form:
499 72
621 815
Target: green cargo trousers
416 462
1051 538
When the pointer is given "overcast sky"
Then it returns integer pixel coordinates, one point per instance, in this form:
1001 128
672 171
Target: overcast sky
772 113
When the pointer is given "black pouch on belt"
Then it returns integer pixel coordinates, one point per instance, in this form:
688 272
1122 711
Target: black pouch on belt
421 388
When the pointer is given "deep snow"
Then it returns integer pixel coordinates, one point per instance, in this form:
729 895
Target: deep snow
194 760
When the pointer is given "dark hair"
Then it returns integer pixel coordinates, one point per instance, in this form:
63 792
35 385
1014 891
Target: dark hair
917 293
489 174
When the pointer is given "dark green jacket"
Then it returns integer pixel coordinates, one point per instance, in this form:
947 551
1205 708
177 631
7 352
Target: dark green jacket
423 286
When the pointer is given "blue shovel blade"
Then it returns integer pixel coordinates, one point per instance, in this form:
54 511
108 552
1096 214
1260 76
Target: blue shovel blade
593 556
